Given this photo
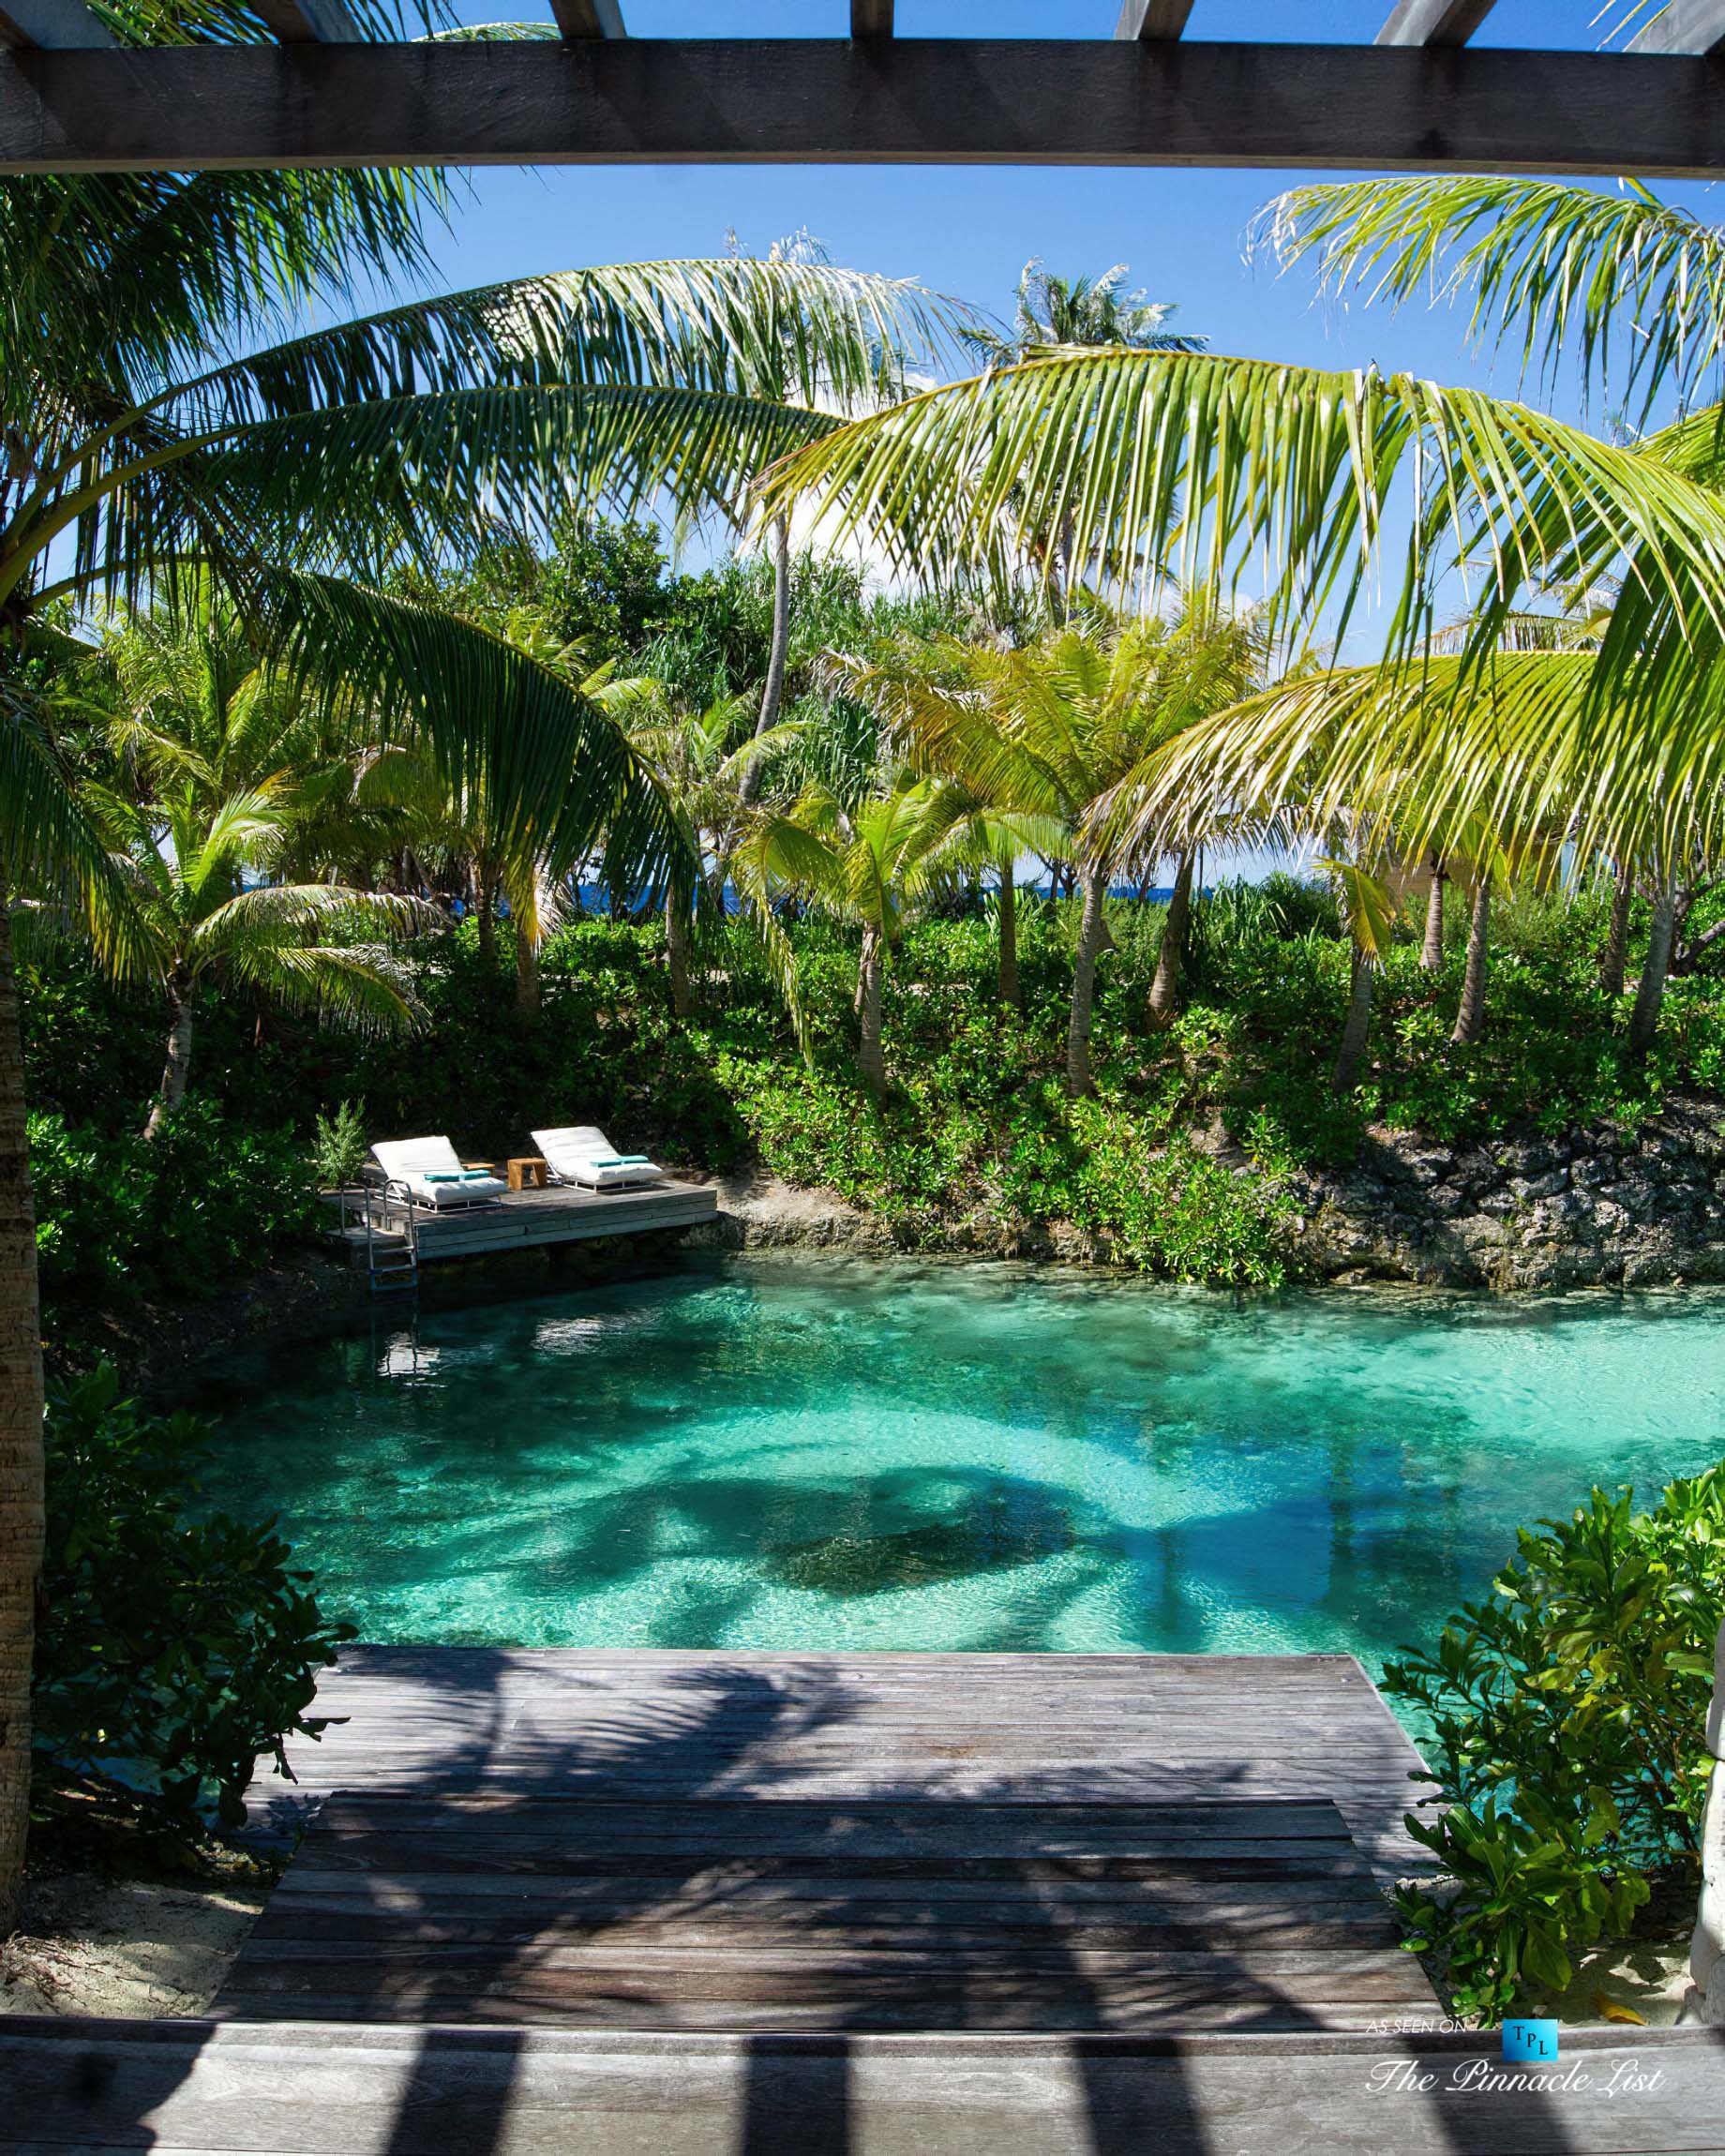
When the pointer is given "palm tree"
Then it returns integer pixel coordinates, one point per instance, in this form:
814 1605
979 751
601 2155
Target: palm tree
864 866
141 427
193 914
908 329
1081 310
1056 728
695 762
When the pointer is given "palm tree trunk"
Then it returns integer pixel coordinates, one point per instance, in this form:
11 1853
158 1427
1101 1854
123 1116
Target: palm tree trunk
485 907
177 1068
20 1442
527 994
1092 941
676 951
1650 989
871 1061
1352 1054
1613 965
772 694
1432 951
1470 1017
1171 955
1012 995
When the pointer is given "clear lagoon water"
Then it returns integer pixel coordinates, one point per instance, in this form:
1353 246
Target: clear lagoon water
791 1453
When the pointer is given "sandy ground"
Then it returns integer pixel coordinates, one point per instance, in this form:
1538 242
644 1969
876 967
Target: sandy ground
90 1944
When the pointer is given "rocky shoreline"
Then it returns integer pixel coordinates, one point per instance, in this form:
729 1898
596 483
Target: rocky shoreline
1603 1207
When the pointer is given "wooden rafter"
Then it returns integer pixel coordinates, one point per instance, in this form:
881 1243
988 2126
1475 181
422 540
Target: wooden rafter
1152 19
833 100
1685 26
308 22
589 18
871 17
1434 21
52 25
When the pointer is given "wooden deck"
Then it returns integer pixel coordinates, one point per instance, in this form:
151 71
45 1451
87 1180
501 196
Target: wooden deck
812 1843
299 2090
532 1220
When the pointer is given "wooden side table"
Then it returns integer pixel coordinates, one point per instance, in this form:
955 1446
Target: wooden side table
528 1173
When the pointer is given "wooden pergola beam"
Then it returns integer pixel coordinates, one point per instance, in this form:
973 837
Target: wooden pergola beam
1434 21
589 18
1685 26
871 19
1152 19
647 100
53 26
308 22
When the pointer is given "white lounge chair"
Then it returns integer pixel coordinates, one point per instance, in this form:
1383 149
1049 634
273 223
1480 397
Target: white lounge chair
429 1172
583 1154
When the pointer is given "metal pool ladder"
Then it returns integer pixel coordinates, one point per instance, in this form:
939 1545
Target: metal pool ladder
392 1253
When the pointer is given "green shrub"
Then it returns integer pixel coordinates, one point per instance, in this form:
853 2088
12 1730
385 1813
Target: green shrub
176 1646
120 1217
1567 1719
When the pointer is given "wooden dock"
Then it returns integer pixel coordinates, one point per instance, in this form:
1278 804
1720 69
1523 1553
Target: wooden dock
814 1843
878 1905
532 1220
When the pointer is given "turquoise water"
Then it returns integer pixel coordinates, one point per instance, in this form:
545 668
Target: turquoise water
799 1453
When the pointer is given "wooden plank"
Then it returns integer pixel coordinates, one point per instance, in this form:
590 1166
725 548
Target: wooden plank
589 18
1684 26
1434 23
1082 101
310 22
1152 18
52 25
329 2091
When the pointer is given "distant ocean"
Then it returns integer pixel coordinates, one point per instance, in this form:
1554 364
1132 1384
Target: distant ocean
595 898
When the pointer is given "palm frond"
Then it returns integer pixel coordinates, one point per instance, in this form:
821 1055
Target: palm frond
1632 287
50 846
1205 463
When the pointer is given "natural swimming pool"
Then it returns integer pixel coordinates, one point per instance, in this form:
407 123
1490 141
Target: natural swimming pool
777 1452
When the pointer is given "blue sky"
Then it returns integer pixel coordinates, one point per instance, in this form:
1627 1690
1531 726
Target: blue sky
970 229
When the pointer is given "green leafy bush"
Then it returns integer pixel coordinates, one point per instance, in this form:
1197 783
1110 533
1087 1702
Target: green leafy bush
1566 1719
176 1645
120 1217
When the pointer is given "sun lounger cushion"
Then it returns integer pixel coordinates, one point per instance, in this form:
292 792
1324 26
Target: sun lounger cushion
433 1171
581 1153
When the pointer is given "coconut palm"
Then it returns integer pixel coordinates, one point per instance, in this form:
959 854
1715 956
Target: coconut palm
1081 310
864 866
1495 769
696 762
195 915
1054 728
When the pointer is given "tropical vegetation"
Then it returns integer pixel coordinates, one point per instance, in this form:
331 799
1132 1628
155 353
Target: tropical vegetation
328 652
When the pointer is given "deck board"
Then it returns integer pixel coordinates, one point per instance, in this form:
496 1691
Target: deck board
294 2088
840 1843
534 1220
